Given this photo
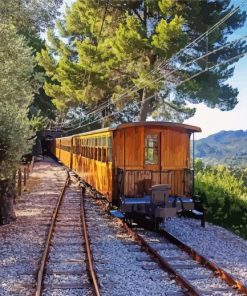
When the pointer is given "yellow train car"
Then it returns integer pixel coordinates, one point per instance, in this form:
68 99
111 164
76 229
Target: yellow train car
129 159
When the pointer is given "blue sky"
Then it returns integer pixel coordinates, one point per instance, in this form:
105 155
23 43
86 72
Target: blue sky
214 120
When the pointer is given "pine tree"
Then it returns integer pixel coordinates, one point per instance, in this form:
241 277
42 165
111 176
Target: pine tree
33 15
113 46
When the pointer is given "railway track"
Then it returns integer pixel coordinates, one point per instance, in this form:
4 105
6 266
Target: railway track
190 269
66 267
193 272
160 264
123 267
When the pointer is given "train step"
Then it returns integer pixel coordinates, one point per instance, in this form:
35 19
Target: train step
117 214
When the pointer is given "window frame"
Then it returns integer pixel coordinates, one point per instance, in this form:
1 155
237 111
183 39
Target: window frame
155 148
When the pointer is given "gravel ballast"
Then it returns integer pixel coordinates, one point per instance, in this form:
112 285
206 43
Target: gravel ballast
214 242
22 242
122 267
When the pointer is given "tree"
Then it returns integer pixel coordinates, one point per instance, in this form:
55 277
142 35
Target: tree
29 15
113 46
41 105
224 195
29 19
16 94
19 81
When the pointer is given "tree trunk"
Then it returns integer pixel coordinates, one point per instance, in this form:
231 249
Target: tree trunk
7 195
145 106
105 119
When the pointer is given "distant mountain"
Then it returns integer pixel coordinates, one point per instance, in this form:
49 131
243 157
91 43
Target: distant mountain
225 147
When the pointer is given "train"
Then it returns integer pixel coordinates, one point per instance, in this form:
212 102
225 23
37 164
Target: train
142 168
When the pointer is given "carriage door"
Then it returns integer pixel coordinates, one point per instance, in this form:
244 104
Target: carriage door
152 156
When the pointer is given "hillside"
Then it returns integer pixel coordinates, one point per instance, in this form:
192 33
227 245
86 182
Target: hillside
225 147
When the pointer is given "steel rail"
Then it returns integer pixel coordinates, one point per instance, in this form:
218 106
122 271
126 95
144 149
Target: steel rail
183 282
225 276
92 272
40 277
229 279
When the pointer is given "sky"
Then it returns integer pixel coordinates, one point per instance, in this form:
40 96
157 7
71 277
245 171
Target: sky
213 120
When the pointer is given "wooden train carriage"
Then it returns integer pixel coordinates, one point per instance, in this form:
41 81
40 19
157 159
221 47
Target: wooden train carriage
55 147
129 159
92 159
65 150
150 153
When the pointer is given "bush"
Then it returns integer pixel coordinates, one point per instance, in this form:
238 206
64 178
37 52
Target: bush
224 195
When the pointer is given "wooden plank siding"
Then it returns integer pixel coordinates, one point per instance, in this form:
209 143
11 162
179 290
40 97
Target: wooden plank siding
175 149
65 151
174 154
123 167
95 172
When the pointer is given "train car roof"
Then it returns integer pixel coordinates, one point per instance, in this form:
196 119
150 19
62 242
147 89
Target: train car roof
101 130
189 128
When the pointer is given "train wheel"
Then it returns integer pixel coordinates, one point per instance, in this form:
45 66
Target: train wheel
129 221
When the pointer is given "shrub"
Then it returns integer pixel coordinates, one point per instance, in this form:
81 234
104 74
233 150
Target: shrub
224 195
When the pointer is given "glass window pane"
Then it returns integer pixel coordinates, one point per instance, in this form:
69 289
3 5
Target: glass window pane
109 141
109 157
99 154
151 149
103 155
95 153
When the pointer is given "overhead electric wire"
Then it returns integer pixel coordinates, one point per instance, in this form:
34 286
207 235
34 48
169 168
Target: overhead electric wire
199 38
211 29
194 42
185 80
175 70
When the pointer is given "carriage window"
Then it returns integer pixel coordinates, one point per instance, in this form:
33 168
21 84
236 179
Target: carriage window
109 156
95 153
151 149
103 155
99 154
109 142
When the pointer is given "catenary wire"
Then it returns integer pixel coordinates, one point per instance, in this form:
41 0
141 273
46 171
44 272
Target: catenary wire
152 96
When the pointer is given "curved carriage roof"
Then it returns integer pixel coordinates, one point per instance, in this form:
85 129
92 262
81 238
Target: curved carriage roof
188 128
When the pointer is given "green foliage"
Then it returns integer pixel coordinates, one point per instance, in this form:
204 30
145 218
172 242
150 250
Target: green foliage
100 60
211 87
32 15
15 138
240 173
30 18
16 68
16 94
41 105
20 79
224 195
101 51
